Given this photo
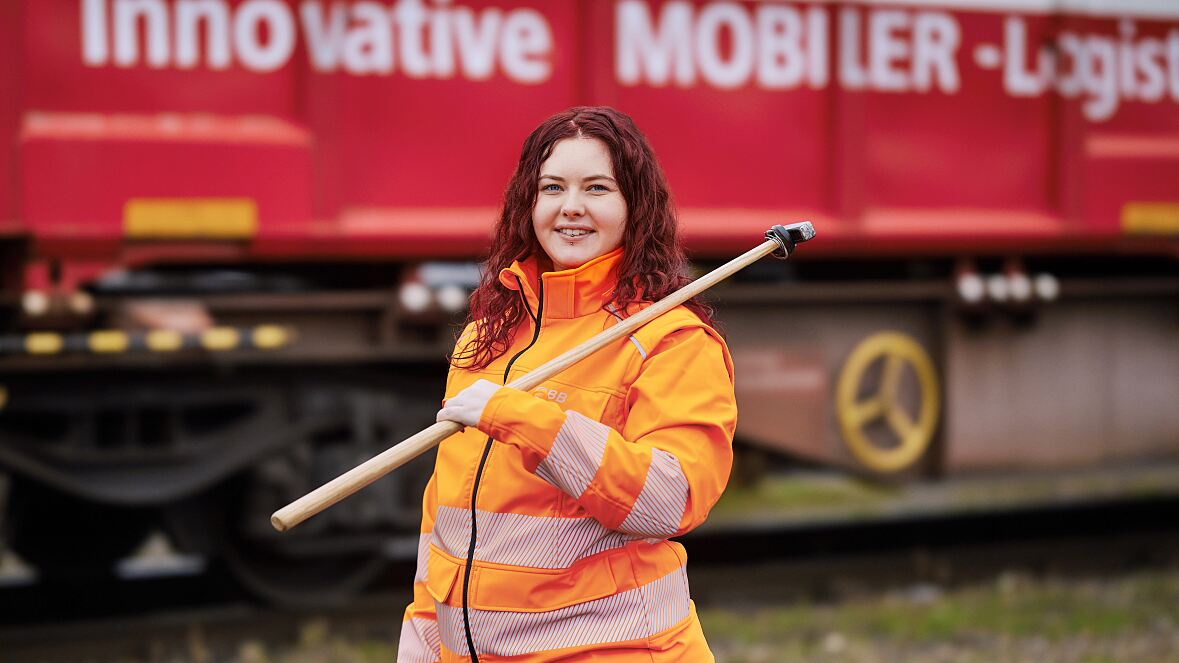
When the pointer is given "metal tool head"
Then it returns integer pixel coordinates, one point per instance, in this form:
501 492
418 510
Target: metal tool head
790 236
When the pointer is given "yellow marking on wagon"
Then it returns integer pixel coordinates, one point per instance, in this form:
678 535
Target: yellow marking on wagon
1153 218
44 343
269 337
163 340
899 352
220 338
108 342
190 218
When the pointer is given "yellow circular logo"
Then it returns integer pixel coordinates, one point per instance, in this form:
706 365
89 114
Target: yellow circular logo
896 354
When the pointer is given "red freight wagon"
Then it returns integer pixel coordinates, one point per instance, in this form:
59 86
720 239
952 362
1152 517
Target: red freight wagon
236 234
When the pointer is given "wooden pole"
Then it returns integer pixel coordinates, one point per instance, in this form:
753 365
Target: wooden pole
405 451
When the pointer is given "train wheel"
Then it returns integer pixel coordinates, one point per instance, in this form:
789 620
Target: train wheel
304 570
888 401
304 577
67 537
312 567
331 557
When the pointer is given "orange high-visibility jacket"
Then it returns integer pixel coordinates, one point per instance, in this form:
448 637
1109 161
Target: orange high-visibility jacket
564 498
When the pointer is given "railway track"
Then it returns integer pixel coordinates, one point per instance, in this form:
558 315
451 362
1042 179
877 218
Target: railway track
828 559
206 616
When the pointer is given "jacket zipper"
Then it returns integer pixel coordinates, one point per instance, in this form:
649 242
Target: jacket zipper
483 462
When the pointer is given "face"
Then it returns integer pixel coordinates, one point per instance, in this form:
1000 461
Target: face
579 213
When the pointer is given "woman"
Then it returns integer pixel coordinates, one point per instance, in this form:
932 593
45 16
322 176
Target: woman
564 499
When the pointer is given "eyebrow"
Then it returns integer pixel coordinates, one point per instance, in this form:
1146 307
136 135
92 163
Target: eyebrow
591 177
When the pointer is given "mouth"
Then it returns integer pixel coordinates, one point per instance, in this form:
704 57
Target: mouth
573 233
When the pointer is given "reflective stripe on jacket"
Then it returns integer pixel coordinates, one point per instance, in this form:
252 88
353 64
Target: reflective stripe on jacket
587 478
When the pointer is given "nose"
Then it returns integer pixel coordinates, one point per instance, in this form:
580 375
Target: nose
572 206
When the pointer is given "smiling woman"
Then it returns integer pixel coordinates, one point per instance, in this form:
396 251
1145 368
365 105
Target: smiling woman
546 523
579 213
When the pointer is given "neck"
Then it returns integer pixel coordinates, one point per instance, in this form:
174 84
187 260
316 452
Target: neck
543 264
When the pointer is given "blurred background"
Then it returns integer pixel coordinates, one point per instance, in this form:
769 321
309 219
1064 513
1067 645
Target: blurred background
237 238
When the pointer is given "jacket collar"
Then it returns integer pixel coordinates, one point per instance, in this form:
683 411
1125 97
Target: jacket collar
567 294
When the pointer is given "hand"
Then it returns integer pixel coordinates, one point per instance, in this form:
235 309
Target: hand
466 407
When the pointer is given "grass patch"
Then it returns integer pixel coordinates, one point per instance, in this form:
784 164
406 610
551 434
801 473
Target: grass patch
800 495
1010 608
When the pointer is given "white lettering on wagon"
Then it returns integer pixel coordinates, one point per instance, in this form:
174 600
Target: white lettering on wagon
781 46
778 46
907 51
1103 69
434 39
884 48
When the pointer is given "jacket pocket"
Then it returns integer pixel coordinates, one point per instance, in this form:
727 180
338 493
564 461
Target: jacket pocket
442 576
500 587
495 587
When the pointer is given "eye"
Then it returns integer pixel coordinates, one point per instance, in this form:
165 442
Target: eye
550 187
598 187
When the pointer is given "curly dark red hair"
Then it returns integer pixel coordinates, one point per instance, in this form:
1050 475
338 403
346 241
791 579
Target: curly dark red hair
653 262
